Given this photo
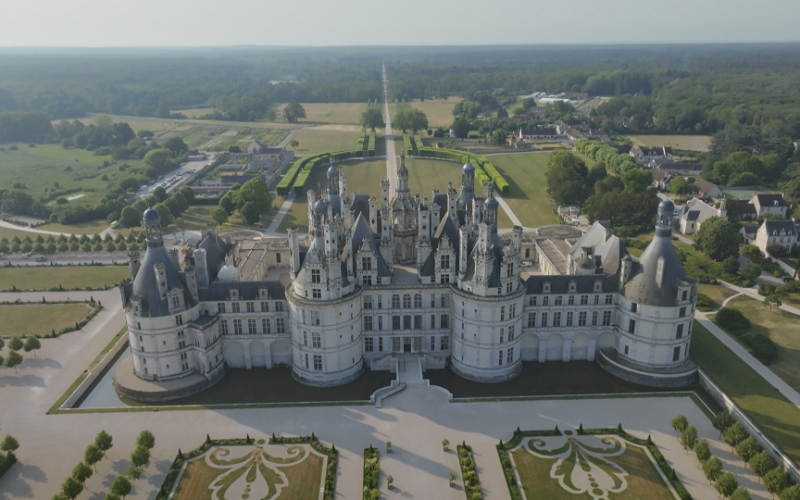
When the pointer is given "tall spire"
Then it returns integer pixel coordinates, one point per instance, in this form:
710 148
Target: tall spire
402 175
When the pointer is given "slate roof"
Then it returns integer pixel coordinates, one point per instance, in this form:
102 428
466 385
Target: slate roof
146 286
559 284
771 200
780 227
248 290
216 249
643 287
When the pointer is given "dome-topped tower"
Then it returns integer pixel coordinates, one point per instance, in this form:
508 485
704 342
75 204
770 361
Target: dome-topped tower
333 190
151 221
464 201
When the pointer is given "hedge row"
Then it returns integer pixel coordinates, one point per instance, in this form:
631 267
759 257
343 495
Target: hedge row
503 450
418 143
484 170
311 162
286 183
372 139
472 485
362 144
371 470
408 145
6 461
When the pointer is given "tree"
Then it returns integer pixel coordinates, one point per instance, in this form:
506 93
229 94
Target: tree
31 344
499 137
726 485
250 214
742 494
234 149
712 468
146 439
133 472
761 463
730 265
772 300
702 451
254 191
111 496
188 194
718 239
637 180
176 145
82 472
121 486
165 213
293 112
104 441
158 161
228 202
294 143
9 444
747 449
790 493
410 119
735 434
174 207
15 343
689 437
681 186
752 252
372 118
140 456
160 193
13 359
92 455
567 178
679 423
775 480
71 487
219 215
502 112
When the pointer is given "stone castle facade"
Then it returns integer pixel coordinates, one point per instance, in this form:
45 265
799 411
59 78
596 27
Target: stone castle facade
427 276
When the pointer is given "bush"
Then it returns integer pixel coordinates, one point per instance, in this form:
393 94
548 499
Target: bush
371 471
731 319
472 486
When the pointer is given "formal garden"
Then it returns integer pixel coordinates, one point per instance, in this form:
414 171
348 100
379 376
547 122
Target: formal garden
281 469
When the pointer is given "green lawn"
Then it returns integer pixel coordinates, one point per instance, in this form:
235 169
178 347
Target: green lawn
314 141
46 277
204 211
775 415
91 227
331 112
527 195
10 233
690 142
438 111
40 319
784 329
716 293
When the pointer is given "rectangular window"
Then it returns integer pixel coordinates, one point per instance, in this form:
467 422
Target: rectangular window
264 307
221 307
584 300
532 300
433 321
366 264
546 301
306 361
315 318
315 276
626 350
571 300
569 318
502 335
445 262
251 326
235 307
632 326
366 280
594 318
407 322
380 301
684 295
179 320
278 306
559 300
634 307
367 301
500 357
544 320
418 322
679 333
395 322
531 320
305 338
380 323
502 313
368 344
278 258
251 306
444 343
265 326
445 300
318 362
433 343
510 355
556 319
512 311
237 327
444 279
582 318
223 324
280 325
417 301
396 344
609 299
444 321
596 299
512 332
380 344
606 318
676 354
682 312
367 323
316 293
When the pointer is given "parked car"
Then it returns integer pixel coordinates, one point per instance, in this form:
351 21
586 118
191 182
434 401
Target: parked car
41 258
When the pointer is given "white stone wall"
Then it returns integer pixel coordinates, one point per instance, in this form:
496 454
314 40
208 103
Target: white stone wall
655 338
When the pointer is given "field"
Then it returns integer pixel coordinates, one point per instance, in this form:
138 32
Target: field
438 111
536 475
47 277
314 141
527 195
775 415
204 212
784 329
91 227
40 319
331 112
716 293
690 142
255 474
49 168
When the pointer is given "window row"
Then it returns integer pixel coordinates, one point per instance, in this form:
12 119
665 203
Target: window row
536 320
252 326
250 306
376 301
376 344
407 322
571 300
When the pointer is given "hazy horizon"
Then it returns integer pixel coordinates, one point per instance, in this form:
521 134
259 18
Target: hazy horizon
318 23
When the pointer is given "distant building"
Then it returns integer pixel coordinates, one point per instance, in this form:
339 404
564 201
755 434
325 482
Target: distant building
773 204
646 155
775 232
675 167
695 212
707 189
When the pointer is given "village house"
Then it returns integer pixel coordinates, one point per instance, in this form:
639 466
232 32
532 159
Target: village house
645 155
695 212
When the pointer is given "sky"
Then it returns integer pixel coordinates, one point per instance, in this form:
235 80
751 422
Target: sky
169 23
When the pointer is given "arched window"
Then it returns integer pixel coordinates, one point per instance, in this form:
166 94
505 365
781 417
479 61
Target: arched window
395 301
407 301
417 300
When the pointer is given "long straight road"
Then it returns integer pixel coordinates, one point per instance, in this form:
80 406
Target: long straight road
391 158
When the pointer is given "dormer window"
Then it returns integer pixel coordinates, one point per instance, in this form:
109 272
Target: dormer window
598 286
315 276
234 294
263 294
571 286
546 287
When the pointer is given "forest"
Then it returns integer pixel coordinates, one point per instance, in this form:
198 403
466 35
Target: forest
666 89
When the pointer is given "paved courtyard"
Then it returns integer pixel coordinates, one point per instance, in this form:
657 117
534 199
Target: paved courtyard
415 421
